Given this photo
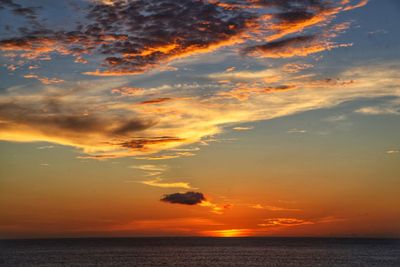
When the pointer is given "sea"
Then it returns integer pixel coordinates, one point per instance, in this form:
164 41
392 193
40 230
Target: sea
195 251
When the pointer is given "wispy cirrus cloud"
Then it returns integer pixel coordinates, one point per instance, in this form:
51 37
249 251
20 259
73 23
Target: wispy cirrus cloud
150 167
293 221
158 182
243 128
109 118
271 208
296 131
284 222
379 110
103 125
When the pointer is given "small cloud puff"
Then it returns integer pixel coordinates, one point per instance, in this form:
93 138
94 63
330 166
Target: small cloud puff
188 198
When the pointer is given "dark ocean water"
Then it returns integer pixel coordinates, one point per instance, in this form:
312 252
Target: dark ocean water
201 252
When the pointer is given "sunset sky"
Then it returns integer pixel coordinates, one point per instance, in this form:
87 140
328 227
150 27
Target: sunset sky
199 118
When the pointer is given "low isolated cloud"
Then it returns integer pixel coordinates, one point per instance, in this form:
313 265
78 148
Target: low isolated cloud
188 198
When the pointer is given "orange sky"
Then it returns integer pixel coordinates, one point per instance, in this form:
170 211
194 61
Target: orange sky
256 118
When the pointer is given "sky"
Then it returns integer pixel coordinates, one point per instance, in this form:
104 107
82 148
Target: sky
219 118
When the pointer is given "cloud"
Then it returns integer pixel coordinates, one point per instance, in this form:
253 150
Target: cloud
297 46
290 222
296 131
101 125
188 198
128 91
393 151
361 3
132 37
150 167
337 118
296 67
285 222
215 208
157 182
45 147
51 117
156 100
245 92
389 110
145 143
156 170
271 208
17 9
243 128
195 198
267 74
43 80
168 156
135 36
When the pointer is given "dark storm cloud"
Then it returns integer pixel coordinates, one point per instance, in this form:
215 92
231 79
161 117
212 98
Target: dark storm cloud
188 198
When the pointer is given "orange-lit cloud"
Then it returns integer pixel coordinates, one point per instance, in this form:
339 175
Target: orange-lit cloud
128 91
156 100
284 222
85 116
43 80
158 182
295 67
241 128
361 3
244 92
298 46
196 31
165 157
215 208
271 208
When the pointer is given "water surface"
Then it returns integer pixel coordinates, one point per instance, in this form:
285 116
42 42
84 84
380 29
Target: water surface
201 252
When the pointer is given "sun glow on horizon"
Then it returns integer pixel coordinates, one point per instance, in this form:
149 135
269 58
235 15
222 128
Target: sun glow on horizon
228 233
